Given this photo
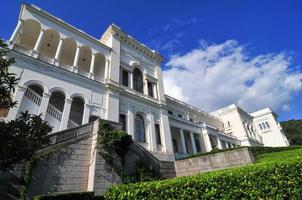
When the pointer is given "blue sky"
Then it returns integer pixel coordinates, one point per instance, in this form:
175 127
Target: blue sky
232 34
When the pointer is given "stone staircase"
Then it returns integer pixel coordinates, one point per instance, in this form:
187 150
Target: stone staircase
163 168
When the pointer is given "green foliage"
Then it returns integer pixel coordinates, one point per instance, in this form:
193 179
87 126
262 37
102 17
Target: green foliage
21 138
142 173
70 196
274 176
293 131
26 179
259 150
113 143
7 79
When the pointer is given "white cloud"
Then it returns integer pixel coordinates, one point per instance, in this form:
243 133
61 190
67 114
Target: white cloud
214 76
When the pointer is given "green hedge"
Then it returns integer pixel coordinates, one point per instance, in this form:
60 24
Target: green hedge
258 150
70 196
274 176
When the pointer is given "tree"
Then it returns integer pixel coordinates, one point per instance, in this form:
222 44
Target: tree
7 79
22 137
293 131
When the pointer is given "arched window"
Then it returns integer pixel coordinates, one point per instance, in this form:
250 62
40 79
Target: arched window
138 80
139 128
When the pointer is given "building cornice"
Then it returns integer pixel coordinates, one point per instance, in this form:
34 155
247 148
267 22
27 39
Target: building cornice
50 17
128 40
187 106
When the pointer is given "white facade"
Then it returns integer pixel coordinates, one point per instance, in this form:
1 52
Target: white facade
269 128
72 78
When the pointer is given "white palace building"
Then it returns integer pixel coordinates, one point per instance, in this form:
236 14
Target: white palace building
72 79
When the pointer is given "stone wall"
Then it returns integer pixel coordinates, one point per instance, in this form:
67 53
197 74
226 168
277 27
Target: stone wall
212 162
74 166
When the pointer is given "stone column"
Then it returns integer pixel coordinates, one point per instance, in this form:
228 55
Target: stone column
152 137
227 145
92 66
145 84
155 95
65 114
183 142
76 59
107 71
193 142
58 52
207 140
86 114
130 121
13 112
130 80
44 104
39 41
16 31
218 143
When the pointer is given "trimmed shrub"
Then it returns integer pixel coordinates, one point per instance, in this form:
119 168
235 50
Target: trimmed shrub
258 150
274 176
70 196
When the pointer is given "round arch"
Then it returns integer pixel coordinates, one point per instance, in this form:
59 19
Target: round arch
60 90
84 59
99 65
36 82
76 111
138 82
50 43
69 48
140 127
29 34
80 95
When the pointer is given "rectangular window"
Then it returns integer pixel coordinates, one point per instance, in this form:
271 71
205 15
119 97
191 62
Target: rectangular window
125 78
157 133
260 126
150 89
170 112
179 115
267 125
122 120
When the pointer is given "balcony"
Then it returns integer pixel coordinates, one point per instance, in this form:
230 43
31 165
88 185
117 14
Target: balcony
49 46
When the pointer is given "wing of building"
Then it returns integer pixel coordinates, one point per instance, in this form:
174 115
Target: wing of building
73 78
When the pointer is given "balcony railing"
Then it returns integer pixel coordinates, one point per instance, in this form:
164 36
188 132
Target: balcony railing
71 124
33 96
84 73
22 50
45 59
99 79
67 67
50 61
53 111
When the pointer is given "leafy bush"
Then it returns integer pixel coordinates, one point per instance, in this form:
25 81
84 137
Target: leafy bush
274 176
258 150
21 138
113 142
70 196
293 131
143 172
